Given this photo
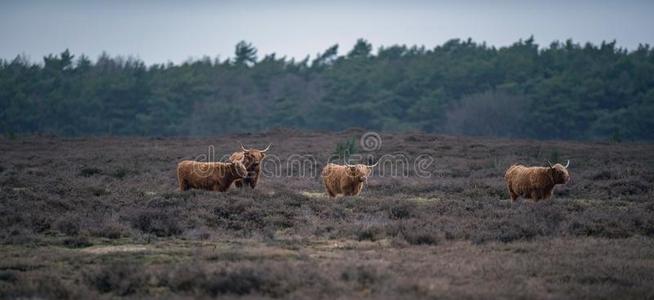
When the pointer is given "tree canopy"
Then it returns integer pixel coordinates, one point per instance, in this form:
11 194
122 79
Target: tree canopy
563 91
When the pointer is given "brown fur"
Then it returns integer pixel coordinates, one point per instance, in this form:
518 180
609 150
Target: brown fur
534 182
214 176
252 159
345 180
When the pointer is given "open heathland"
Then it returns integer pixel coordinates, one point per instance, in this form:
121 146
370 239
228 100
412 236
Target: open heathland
103 218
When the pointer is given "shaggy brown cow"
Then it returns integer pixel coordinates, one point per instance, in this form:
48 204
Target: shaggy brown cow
215 176
252 159
535 182
346 180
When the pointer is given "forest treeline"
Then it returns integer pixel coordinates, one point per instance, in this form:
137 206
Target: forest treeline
563 91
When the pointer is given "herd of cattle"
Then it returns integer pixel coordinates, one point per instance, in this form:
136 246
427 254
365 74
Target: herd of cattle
244 168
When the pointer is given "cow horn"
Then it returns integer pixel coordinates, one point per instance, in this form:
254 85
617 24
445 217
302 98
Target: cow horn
243 148
567 164
264 150
374 165
549 164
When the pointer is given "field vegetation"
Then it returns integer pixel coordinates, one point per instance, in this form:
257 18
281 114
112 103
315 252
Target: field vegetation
102 217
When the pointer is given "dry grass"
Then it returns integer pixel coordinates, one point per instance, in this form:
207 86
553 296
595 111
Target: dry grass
102 217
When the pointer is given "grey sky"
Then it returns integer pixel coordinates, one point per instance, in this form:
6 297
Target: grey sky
161 31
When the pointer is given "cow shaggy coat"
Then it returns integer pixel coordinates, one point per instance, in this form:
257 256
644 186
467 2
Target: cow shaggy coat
252 159
535 182
346 180
214 176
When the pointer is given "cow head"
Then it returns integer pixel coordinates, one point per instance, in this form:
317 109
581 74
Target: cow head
360 172
252 158
559 172
239 169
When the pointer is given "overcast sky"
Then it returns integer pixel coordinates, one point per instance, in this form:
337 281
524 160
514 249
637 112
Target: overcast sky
162 31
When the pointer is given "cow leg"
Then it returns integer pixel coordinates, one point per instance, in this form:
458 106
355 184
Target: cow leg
253 180
329 191
539 195
238 183
513 195
218 187
183 186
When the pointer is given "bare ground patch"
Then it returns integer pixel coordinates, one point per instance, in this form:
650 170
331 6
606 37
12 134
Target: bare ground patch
114 249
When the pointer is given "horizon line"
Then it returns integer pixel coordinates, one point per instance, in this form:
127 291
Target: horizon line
375 51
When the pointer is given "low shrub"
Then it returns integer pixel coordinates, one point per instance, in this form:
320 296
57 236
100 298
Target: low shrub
7 276
77 242
118 278
120 173
69 225
89 171
363 276
369 232
400 210
158 222
422 236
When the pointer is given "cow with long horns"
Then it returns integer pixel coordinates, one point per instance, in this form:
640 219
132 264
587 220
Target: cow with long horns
346 180
535 182
252 159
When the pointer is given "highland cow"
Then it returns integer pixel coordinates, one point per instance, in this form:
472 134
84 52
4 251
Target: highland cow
214 176
535 182
346 180
252 159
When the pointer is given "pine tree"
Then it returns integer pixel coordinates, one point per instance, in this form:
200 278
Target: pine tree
246 54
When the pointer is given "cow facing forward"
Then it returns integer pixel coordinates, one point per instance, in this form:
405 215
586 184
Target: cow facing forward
535 182
252 159
214 176
346 180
